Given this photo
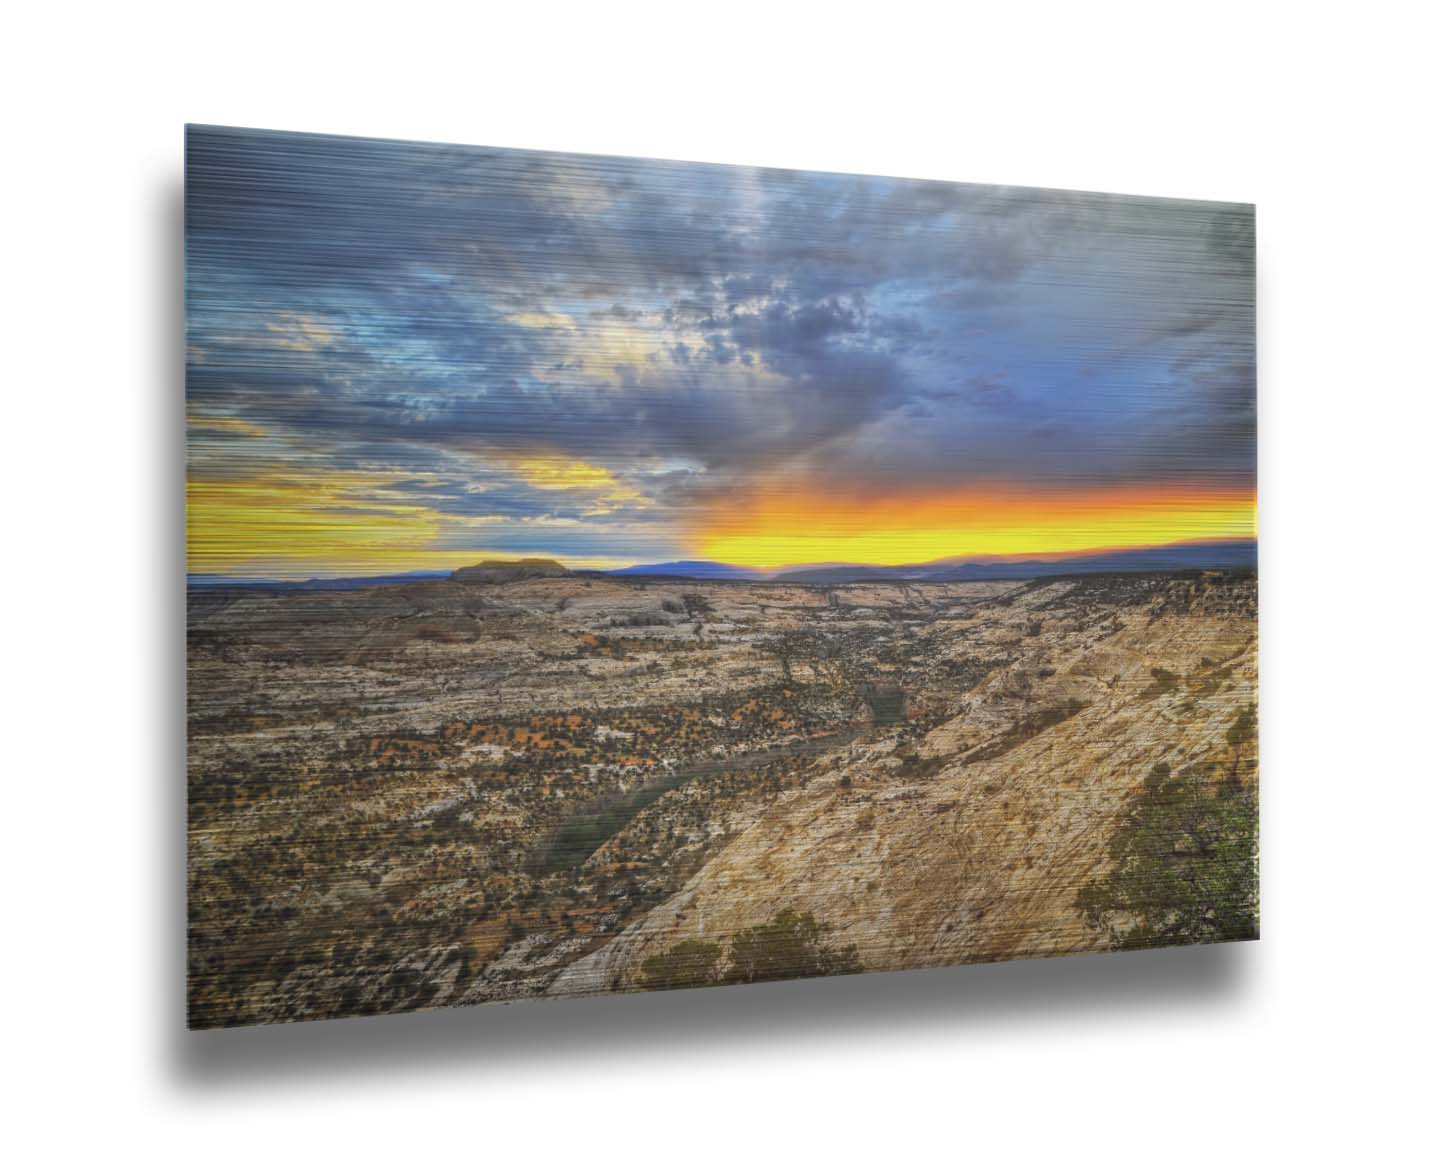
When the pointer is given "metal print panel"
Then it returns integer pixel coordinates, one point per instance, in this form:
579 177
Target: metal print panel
614 574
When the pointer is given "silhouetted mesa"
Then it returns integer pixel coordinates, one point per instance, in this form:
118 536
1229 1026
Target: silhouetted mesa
509 571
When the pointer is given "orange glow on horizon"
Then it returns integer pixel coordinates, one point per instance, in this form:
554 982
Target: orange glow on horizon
782 527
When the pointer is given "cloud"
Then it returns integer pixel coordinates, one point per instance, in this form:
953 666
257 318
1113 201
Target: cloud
681 333
542 320
224 426
299 333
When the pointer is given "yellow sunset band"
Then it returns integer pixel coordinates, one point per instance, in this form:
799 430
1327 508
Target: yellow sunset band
301 521
296 522
789 528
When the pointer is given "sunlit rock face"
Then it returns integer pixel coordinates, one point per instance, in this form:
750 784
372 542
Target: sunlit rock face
449 792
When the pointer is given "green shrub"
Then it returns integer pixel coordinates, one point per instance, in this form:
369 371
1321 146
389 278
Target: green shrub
690 964
789 945
1162 681
1185 864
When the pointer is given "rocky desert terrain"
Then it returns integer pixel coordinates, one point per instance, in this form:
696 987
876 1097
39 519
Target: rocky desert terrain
527 782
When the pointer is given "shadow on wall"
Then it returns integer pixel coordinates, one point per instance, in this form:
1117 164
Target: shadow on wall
539 1034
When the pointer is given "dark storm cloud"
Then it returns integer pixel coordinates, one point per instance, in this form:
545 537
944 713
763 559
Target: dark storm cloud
689 327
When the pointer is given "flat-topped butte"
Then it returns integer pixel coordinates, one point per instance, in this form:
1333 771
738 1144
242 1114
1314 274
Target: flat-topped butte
509 571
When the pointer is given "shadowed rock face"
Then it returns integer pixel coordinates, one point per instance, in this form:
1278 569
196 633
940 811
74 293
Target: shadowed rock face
509 571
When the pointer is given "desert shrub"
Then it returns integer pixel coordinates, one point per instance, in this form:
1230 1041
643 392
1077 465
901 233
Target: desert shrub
690 964
886 702
645 619
437 633
1162 680
696 604
1242 731
920 767
1185 864
789 945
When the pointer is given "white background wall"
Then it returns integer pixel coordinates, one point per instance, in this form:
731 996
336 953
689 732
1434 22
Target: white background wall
1323 1031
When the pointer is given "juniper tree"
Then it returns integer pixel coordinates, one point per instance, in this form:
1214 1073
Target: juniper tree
1185 864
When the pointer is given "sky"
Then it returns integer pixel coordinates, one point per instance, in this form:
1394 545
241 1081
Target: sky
416 356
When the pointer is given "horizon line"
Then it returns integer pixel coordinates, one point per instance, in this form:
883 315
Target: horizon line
970 558
769 572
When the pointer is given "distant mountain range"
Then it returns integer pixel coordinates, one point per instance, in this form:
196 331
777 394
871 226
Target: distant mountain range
1167 558
693 570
